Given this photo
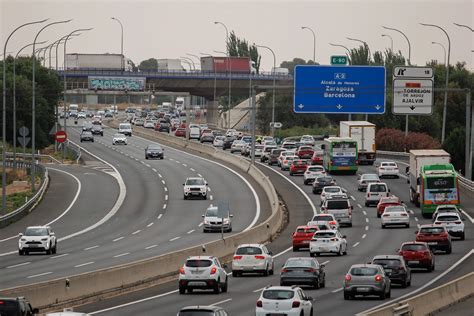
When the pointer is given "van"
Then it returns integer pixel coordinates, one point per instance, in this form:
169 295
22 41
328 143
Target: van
125 128
340 207
194 132
375 191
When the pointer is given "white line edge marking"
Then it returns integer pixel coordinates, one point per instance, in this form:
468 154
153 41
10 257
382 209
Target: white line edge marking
59 256
84 264
136 232
364 235
189 232
356 244
221 302
467 215
337 290
38 275
152 246
18 265
258 290
151 224
326 262
175 238
122 254
89 248
200 224
160 215
117 239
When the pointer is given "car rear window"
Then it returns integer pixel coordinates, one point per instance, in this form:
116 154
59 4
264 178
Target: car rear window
332 190
196 312
324 179
299 262
322 218
389 164
197 263
432 230
278 294
248 251
378 188
324 234
395 208
447 218
315 169
338 205
387 262
364 271
413 247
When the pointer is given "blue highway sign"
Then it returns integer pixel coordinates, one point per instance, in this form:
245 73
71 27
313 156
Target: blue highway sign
339 89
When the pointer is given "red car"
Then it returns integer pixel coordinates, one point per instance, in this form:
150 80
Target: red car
180 132
417 254
298 167
302 236
436 236
387 201
317 158
305 152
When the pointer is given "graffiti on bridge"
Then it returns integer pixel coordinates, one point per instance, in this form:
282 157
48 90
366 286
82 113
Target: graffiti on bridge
116 83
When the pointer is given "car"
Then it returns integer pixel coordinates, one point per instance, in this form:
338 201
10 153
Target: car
283 155
109 114
445 208
305 152
298 166
328 241
218 141
283 300
16 306
154 151
37 238
307 140
317 158
322 181
231 132
395 215
97 130
273 156
436 236
149 124
139 121
388 169
125 128
303 271
289 146
312 172
258 150
202 272
195 186
180 132
267 150
207 137
237 146
365 280
417 254
453 222
286 163
375 191
217 218
96 120
67 311
194 132
395 268
339 206
87 126
81 115
202 310
86 136
162 126
303 235
119 139
252 258
365 179
228 140
330 191
387 201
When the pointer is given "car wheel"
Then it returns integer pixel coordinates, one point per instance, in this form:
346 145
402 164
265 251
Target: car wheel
305 182
311 312
317 284
462 236
162 157
407 225
49 251
190 290
146 157
20 252
382 295
340 252
347 296
265 272
383 226
378 215
323 284
235 274
295 248
216 287
389 294
55 249
224 287
185 197
316 254
449 250
366 203
405 283
204 197
271 272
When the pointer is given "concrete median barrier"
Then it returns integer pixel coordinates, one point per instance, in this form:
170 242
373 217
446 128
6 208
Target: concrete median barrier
96 285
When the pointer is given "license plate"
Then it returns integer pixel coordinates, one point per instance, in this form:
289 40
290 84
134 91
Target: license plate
388 270
305 241
323 249
432 243
33 246
413 262
197 283
363 289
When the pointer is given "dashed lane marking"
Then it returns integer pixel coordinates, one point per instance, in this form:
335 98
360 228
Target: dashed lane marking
38 275
18 265
159 175
136 232
366 227
151 224
175 238
353 198
189 232
366 219
122 254
221 302
200 224
365 213
163 181
364 235
154 170
59 256
166 197
192 169
84 264
166 189
164 206
89 248
117 239
356 244
337 290
199 175
160 215
359 206
152 246
416 219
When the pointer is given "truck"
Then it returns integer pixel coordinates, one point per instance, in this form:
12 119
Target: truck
230 64
76 61
364 133
169 65
433 180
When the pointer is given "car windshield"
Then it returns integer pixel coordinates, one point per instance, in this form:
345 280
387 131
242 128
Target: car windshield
196 312
248 251
323 217
217 212
278 294
195 182
324 235
338 205
86 133
299 262
378 188
432 230
118 135
364 271
154 147
370 177
39 231
332 190
447 218
197 263
413 247
387 262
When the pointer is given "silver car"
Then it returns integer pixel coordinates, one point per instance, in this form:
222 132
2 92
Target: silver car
217 218
365 280
365 179
395 215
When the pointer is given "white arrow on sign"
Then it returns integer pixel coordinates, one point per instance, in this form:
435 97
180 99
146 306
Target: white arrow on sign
339 106
377 107
301 106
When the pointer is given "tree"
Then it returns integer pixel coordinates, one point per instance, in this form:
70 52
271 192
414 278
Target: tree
150 64
290 64
240 48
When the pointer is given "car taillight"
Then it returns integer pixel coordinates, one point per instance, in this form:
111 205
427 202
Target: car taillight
213 270
295 304
181 270
332 223
368 194
386 215
437 223
378 278
259 304
237 257
348 277
334 239
260 257
284 270
404 214
457 222
312 270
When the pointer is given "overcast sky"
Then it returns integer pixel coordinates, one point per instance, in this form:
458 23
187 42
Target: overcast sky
170 29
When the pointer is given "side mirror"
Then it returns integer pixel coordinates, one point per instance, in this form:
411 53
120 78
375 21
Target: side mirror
398 250
309 298
52 234
344 236
322 266
183 184
20 234
270 253
416 232
203 215
207 184
231 215
225 266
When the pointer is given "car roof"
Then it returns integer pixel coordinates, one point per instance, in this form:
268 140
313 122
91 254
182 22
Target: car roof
365 265
37 227
250 245
431 225
387 257
194 178
202 307
327 231
414 243
276 287
200 258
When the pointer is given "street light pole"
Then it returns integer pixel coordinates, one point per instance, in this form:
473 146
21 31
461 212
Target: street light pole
4 116
465 26
444 49
445 103
348 54
391 40
273 97
314 40
189 60
230 68
363 42
215 75
121 41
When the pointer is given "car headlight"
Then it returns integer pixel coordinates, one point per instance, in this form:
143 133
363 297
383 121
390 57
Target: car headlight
186 189
23 239
206 221
44 239
226 221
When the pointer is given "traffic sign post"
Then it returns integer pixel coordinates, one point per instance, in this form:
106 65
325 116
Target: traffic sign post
412 90
339 89
61 136
338 60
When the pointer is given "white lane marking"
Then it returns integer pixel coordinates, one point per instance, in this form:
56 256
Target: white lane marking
185 165
192 169
353 198
200 224
136 159
359 206
18 265
416 219
365 213
89 248
159 175
366 219
148 165
151 224
84 264
160 215
199 175
418 225
258 290
164 206
166 189
59 256
467 215
356 244
154 170
175 238
209 189
364 235
221 302
411 212
166 197
152 246
211 197
136 232
189 232
421 288
366 227
117 239
163 181
38 275
283 252
326 262
122 254
177 161
337 290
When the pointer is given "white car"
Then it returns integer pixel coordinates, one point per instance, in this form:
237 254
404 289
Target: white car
37 238
283 300
324 219
453 223
395 215
195 187
149 124
339 206
445 208
286 162
125 128
328 241
81 115
282 156
307 140
237 146
252 258
231 132
202 272
365 179
258 150
139 122
375 191
119 138
331 190
312 172
217 218
388 169
218 141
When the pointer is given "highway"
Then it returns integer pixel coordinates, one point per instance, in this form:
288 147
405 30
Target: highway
365 239
152 220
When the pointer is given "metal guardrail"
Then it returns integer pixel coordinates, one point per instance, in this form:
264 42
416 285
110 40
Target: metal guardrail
28 156
40 170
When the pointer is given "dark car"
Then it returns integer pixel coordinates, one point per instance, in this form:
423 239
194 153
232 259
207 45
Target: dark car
86 136
395 268
87 126
162 126
97 130
273 156
321 182
228 142
154 151
303 271
202 310
16 306
436 236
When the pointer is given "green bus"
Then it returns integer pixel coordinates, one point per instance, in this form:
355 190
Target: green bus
340 154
